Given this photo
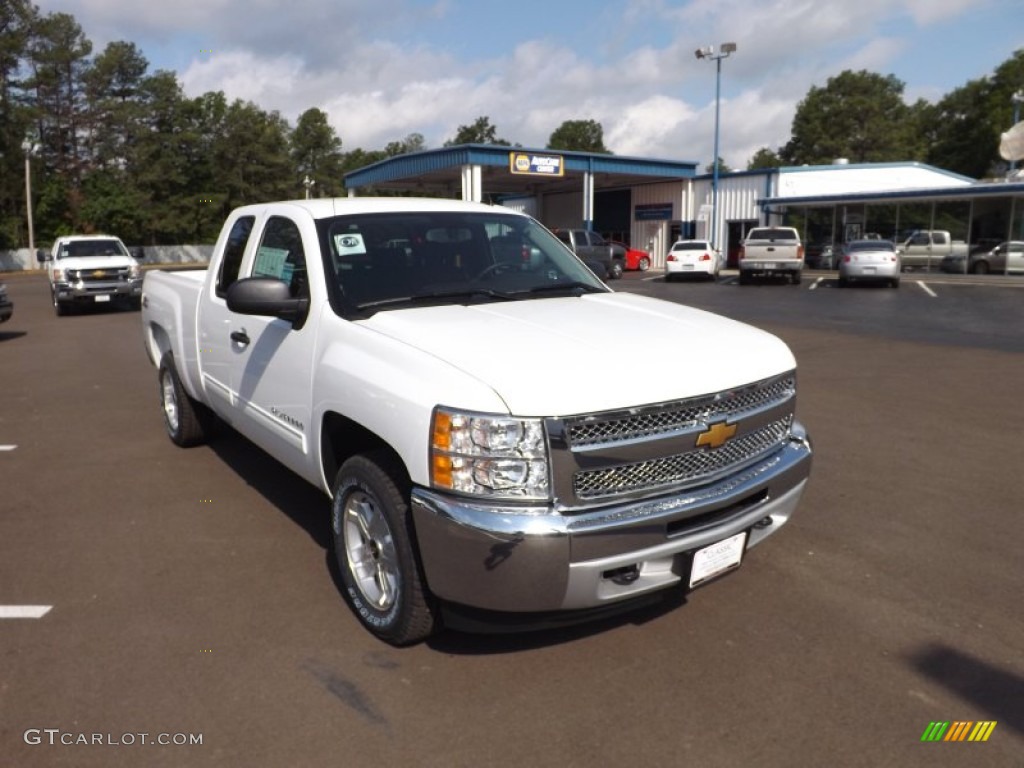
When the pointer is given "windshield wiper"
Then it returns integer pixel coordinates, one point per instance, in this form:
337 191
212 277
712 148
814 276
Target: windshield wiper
465 293
570 286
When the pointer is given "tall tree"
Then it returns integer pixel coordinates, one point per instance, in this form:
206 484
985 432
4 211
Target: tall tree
579 136
857 115
967 122
316 153
414 142
16 20
480 132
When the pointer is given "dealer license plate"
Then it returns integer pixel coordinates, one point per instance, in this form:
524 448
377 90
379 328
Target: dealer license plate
716 559
687 266
770 265
101 297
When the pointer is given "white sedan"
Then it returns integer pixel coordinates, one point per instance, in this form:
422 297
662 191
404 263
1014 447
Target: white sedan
870 260
688 257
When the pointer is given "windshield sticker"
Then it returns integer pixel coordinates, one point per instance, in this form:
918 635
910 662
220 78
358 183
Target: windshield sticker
349 244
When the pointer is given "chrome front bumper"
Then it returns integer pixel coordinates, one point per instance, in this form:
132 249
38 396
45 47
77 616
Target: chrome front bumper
82 291
527 559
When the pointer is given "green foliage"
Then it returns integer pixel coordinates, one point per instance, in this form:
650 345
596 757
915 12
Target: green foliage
578 136
316 154
860 116
480 132
722 167
764 158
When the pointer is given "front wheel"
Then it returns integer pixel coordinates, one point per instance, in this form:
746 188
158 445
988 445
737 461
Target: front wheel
616 269
980 268
644 264
374 545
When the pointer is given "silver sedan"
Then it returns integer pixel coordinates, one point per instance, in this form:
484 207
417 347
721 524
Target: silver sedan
874 260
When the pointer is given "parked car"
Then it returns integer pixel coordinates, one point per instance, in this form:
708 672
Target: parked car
870 260
928 248
825 257
689 257
634 257
1005 257
596 252
6 305
770 252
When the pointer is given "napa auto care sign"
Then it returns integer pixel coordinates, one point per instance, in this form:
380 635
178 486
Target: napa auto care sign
530 164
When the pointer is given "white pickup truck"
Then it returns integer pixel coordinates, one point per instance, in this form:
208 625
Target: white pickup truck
771 251
91 270
926 249
493 435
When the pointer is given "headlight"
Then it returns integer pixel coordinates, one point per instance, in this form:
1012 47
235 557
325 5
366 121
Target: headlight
489 455
134 271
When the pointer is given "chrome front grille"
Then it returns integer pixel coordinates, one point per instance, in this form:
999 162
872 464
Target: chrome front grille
666 447
681 469
106 275
672 417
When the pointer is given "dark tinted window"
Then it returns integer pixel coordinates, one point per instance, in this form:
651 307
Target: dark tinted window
282 256
233 250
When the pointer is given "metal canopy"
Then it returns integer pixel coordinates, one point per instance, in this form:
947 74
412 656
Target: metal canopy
439 171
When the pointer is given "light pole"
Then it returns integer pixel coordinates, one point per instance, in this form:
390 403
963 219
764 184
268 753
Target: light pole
1016 98
708 52
30 148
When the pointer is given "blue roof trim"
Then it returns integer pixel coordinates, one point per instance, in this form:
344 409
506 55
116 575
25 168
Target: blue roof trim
974 190
431 160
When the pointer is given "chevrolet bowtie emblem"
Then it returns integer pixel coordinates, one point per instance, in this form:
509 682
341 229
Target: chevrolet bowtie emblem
99 273
716 435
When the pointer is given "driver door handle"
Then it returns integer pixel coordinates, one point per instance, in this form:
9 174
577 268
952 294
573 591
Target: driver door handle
240 337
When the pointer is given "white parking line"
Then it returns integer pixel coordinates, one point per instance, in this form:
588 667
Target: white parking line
7 447
24 611
816 283
927 290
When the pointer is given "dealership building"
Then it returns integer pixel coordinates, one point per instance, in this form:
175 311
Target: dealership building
649 203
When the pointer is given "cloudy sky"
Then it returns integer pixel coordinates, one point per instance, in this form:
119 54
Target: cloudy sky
383 69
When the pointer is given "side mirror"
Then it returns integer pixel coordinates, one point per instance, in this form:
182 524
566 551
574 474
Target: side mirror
267 296
137 252
42 256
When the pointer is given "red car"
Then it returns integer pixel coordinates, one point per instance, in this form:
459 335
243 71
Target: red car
635 258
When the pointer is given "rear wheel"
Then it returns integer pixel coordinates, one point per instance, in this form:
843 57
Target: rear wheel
744 278
980 268
616 269
796 278
843 282
644 264
188 422
374 545
895 282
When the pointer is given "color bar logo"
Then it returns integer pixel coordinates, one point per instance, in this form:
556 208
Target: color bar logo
959 730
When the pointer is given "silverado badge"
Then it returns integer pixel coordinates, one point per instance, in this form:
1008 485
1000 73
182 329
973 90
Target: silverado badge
716 435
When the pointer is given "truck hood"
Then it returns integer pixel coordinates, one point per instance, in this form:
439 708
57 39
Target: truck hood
95 262
564 356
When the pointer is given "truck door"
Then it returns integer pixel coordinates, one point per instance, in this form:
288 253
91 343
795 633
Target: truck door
269 360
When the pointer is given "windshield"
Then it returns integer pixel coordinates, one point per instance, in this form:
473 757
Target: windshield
96 247
394 260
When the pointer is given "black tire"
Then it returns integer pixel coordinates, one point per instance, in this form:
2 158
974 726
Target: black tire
644 264
135 303
796 278
375 549
843 282
187 422
744 278
980 268
616 270
670 278
59 308
895 282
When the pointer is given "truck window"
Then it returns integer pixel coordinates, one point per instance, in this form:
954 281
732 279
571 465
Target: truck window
939 238
233 250
280 255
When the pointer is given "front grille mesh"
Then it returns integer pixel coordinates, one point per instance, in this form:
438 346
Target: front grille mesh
683 468
90 276
681 415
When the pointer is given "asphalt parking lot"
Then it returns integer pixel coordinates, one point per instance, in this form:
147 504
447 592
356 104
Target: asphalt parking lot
191 592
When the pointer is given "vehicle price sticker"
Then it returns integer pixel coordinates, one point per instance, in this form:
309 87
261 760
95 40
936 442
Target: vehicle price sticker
102 297
716 559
